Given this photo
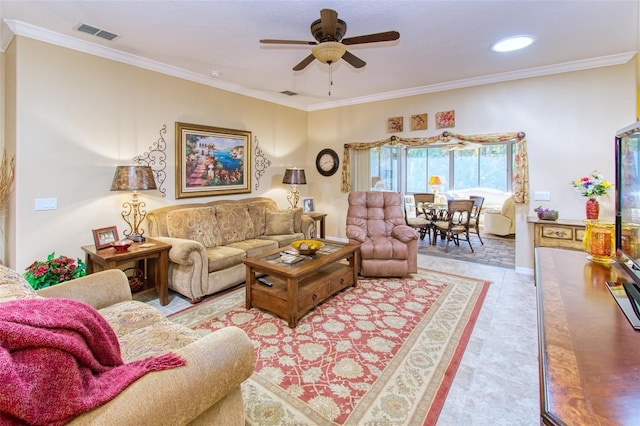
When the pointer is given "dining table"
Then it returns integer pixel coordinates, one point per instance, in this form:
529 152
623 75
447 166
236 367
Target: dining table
434 212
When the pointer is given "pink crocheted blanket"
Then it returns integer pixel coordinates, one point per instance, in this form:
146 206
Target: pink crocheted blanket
60 358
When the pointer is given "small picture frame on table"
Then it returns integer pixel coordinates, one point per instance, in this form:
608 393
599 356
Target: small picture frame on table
104 237
307 205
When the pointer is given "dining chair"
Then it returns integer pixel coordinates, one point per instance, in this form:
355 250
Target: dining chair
456 224
421 199
421 222
474 221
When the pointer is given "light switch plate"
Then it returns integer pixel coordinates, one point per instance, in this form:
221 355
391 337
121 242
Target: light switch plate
46 204
542 196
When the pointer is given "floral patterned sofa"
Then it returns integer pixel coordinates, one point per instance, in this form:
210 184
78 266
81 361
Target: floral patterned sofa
210 240
204 391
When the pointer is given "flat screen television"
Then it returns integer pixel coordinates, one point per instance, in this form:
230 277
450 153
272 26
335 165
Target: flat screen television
627 199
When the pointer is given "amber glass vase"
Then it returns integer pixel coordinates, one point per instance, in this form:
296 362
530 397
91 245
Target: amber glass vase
599 240
593 209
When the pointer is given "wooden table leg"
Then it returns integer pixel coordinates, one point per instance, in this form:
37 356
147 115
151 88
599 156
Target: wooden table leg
353 263
162 276
292 290
250 281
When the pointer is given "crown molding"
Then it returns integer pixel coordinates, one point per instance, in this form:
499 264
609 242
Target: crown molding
47 36
603 61
38 33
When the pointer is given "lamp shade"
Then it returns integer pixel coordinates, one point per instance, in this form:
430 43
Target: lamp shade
294 177
328 52
133 178
435 180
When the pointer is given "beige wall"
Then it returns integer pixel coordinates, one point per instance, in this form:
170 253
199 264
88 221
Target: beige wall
569 119
78 116
75 117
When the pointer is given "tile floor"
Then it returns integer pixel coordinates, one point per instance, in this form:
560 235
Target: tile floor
497 381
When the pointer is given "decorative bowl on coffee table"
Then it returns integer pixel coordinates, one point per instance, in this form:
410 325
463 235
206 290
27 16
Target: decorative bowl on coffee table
307 247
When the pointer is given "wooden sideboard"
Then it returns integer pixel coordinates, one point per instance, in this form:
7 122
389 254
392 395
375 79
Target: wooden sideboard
589 355
562 233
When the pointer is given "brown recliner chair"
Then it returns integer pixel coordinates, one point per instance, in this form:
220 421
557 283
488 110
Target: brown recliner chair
388 247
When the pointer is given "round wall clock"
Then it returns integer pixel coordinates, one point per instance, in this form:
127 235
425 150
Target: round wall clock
327 162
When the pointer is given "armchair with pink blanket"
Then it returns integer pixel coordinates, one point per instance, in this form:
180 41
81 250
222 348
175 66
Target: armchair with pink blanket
388 246
205 390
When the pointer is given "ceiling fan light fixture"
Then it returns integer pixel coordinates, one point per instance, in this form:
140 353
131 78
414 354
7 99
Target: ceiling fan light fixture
328 52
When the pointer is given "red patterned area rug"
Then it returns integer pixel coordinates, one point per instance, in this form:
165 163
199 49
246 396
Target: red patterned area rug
384 352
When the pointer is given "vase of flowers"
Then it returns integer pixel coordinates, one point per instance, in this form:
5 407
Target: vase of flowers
592 186
54 270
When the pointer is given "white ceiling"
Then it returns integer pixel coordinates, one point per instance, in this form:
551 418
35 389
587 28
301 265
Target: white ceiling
442 45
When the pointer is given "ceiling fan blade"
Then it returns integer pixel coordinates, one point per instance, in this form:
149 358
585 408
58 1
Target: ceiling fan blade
329 20
353 60
372 38
269 41
303 64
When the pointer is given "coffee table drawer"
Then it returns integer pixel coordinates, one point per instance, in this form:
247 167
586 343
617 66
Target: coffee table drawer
323 284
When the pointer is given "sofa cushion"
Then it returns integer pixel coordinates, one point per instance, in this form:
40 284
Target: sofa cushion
297 219
131 315
223 257
156 339
284 240
196 223
257 210
143 331
234 223
279 222
254 247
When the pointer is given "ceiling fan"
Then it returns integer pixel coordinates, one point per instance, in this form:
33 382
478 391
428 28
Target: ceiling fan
329 46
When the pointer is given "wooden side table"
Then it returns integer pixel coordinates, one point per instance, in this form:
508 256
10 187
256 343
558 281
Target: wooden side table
319 217
155 253
561 233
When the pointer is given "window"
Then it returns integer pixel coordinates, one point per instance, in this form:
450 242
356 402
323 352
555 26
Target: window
384 165
488 166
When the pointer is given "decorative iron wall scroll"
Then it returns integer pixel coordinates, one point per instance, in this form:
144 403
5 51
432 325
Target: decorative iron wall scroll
156 159
262 162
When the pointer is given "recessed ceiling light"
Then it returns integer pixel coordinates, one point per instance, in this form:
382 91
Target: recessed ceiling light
512 43
216 73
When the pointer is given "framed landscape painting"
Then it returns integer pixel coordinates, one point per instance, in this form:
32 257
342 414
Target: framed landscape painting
212 161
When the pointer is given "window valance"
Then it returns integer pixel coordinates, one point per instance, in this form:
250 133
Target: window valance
520 182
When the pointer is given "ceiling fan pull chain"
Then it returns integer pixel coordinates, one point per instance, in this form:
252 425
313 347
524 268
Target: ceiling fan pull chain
330 77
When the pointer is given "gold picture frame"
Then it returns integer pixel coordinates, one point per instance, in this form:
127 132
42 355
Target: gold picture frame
445 119
394 124
419 122
212 161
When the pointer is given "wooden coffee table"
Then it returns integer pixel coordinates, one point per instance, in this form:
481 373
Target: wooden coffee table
297 288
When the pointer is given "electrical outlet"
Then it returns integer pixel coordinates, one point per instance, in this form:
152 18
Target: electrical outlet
542 196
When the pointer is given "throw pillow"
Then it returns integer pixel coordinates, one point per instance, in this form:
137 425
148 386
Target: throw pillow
197 224
279 222
297 219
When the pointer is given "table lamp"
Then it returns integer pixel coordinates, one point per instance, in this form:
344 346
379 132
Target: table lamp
435 182
133 178
294 177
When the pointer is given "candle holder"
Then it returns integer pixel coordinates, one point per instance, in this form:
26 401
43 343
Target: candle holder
599 241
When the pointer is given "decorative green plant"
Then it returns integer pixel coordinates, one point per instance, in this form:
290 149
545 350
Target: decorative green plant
54 271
